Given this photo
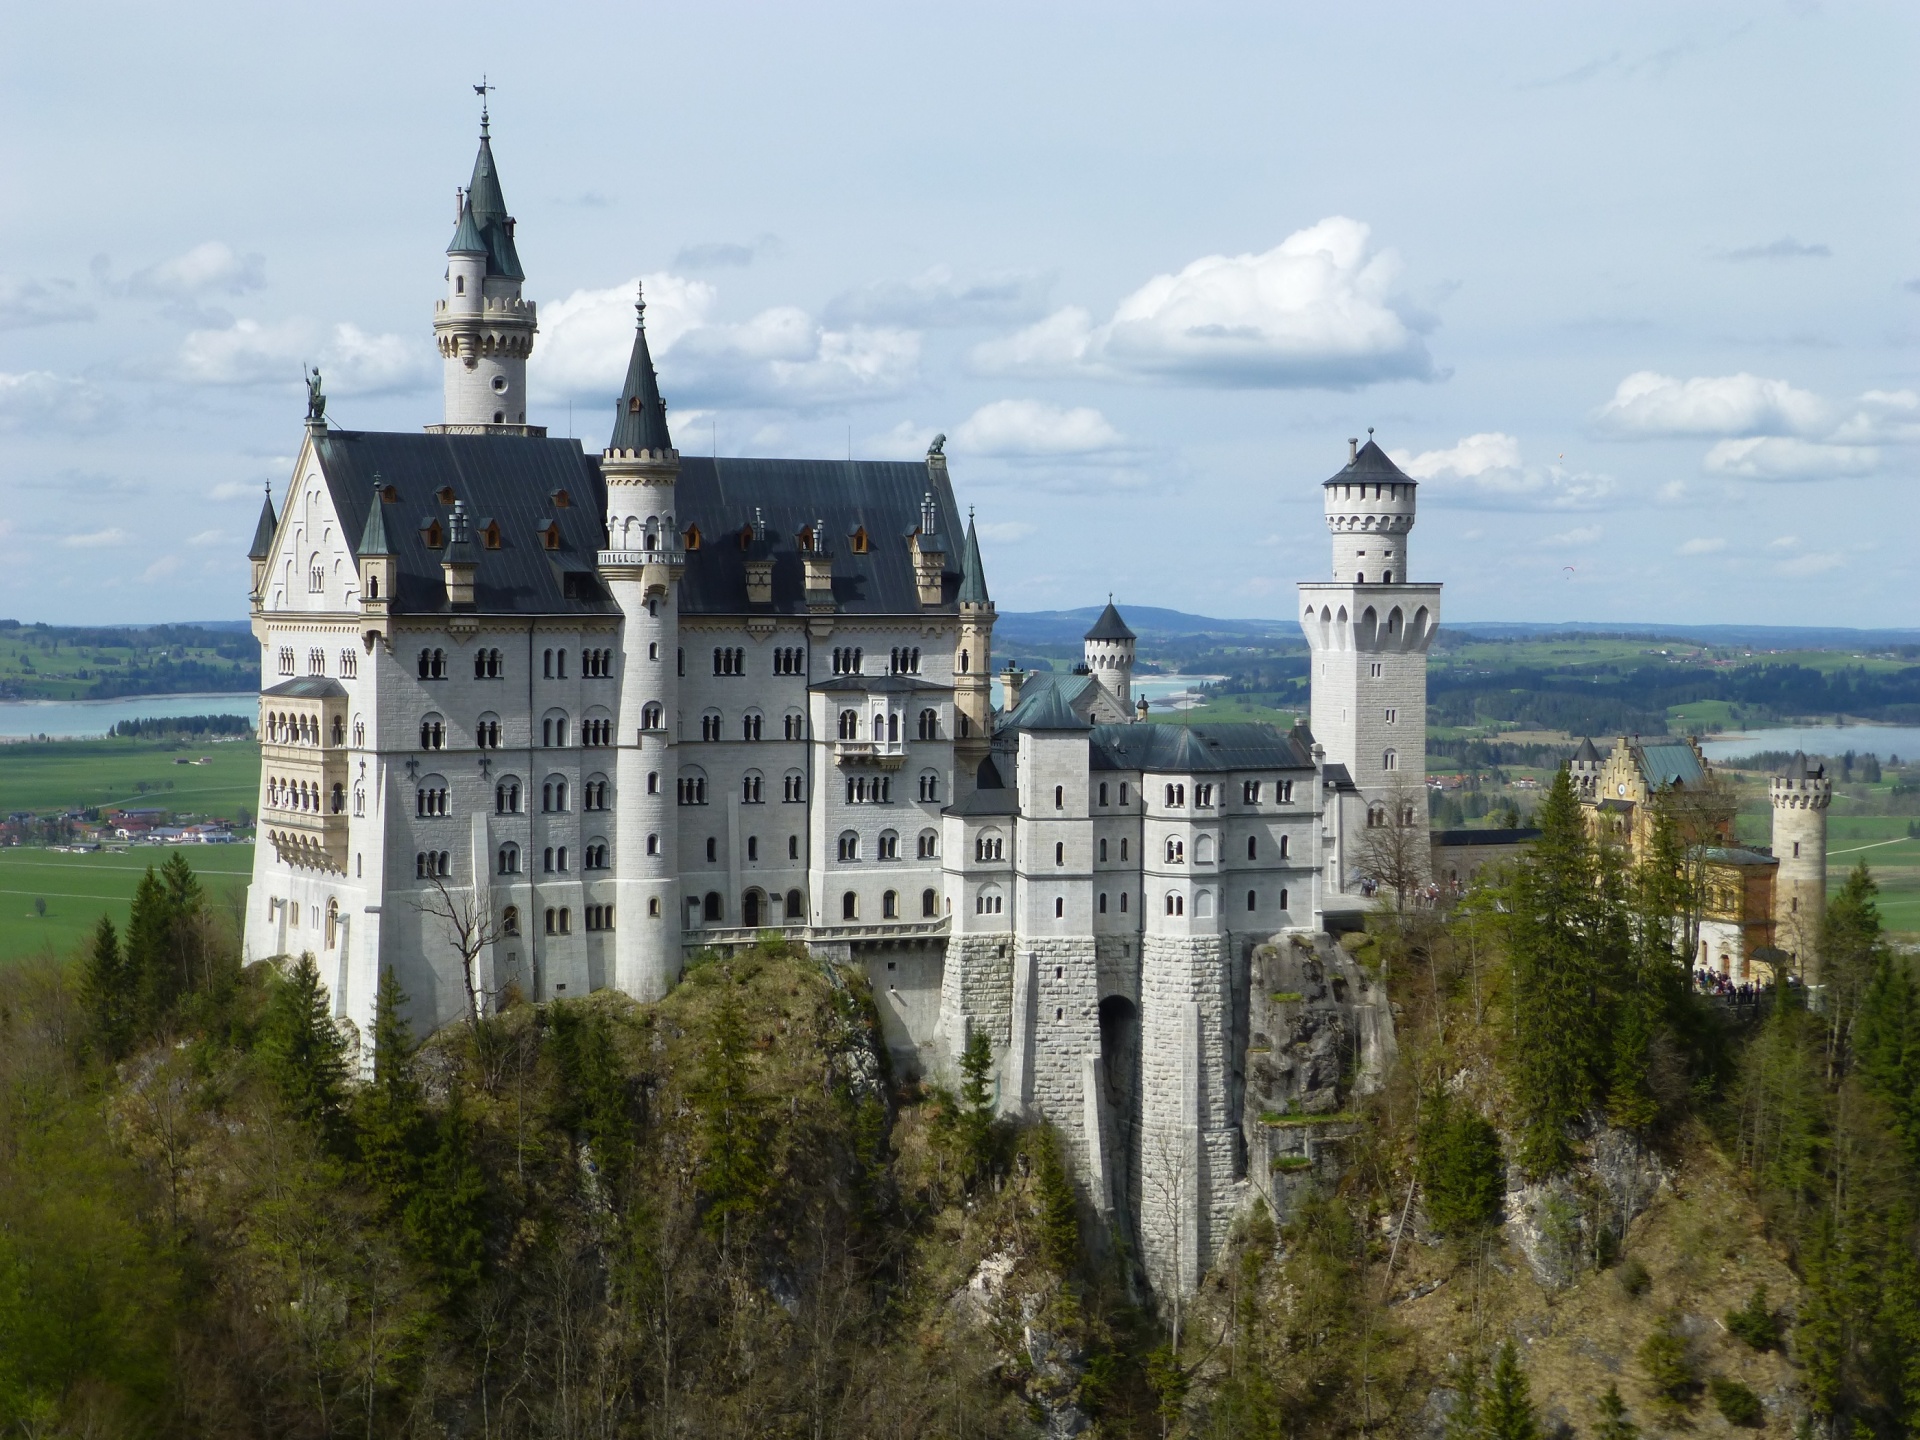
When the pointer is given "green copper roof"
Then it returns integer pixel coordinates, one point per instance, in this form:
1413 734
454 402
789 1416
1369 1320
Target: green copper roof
467 239
973 575
263 532
488 208
373 538
1048 710
640 417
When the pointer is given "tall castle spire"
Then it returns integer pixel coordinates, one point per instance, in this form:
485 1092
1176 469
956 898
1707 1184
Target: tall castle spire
484 328
640 417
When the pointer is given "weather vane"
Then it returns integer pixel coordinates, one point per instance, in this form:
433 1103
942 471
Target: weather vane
481 90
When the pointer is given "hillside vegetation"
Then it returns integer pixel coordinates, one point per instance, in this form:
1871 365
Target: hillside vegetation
1587 1200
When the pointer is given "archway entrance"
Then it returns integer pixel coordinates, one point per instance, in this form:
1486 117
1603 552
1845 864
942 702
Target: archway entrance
1120 1057
753 907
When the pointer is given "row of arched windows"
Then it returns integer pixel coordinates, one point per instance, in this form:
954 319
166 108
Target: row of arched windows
890 908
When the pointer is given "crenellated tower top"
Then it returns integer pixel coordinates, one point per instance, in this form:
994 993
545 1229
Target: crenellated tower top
1370 512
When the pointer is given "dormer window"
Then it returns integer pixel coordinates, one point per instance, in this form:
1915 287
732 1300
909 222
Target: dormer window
444 495
746 537
860 540
805 537
693 537
633 405
490 534
561 500
389 494
550 535
433 535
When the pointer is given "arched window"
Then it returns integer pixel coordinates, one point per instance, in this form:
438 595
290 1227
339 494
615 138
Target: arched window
1283 899
1284 846
793 787
710 725
889 847
653 844
750 725
793 726
553 794
929 904
1103 902
849 846
713 907
849 906
890 905
652 716
752 788
1123 901
1059 852
796 907
1176 851
509 860
1390 760
433 733
1176 904
929 846
929 724
693 787
929 785
849 724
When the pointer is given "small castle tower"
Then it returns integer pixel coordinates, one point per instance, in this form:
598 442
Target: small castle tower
1800 795
1585 769
484 329
973 662
1109 654
642 567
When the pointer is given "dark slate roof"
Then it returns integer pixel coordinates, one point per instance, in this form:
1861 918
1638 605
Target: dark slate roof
1372 466
1340 778
1670 764
1736 855
973 575
876 685
991 795
1046 710
1454 838
1798 768
373 539
1587 754
507 478
307 687
1110 626
490 218
263 532
640 415
883 497
1198 749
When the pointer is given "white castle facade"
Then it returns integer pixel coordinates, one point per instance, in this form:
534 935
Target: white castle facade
611 710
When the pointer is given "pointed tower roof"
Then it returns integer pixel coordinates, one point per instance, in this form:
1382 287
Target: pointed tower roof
263 532
1587 754
640 420
1371 464
973 575
467 239
373 538
1110 626
486 207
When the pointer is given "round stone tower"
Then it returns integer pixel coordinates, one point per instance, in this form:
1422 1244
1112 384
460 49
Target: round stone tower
1370 512
1800 795
1108 648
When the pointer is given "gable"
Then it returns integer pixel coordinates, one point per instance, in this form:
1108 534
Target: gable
310 567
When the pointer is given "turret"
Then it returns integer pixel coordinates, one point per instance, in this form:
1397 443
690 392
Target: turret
1370 509
375 558
973 662
262 549
1800 794
642 565
1108 648
484 328
1584 770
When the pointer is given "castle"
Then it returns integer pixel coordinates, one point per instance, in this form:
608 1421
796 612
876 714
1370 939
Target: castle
558 721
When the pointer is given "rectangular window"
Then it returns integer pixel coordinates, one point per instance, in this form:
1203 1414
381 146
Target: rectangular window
1393 716
1375 669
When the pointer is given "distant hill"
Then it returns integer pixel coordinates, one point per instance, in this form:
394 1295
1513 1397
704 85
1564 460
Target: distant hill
1066 627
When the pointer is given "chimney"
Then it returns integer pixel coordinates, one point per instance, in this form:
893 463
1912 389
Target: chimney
457 561
1012 678
819 568
459 204
1353 448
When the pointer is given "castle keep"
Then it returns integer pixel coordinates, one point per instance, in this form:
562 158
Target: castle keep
554 720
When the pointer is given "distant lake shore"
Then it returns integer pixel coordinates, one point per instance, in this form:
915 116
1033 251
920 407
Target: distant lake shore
89 719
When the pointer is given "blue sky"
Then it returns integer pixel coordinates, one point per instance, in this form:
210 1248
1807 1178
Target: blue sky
1633 289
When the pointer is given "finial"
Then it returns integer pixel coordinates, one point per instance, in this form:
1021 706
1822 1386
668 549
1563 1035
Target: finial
969 514
1369 432
639 305
481 90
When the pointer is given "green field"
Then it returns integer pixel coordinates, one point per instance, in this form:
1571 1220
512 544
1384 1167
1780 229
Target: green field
82 774
50 662
79 888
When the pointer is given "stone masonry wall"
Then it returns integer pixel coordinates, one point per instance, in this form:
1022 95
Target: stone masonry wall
976 990
1066 1029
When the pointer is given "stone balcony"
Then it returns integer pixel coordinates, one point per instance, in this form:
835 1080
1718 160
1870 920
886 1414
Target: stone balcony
882 754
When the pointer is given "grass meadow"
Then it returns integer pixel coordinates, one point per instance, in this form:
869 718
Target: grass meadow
78 889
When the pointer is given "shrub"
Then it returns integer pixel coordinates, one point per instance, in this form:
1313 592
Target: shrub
1668 1367
1462 1171
1755 1321
1737 1404
1633 1277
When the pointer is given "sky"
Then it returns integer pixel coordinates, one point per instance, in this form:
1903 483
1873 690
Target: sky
1633 290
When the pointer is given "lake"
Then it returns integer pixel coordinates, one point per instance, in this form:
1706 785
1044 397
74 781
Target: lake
82 719
1154 687
1881 740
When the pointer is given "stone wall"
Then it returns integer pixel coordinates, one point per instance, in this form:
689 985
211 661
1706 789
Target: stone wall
976 993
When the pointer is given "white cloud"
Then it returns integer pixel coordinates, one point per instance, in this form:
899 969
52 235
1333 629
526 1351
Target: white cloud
112 535
161 568
1486 471
1647 405
1702 546
236 490
1785 542
25 303
39 397
1035 428
208 537
351 361
781 357
1006 531
1319 310
1575 538
1777 457
937 297
1813 563
210 268
1882 417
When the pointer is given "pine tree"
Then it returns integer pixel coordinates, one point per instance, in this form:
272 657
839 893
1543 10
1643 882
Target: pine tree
1462 1172
108 987
1558 941
301 1053
733 1171
1464 1420
1059 1210
390 1117
1508 1414
1887 1042
150 950
445 1221
1614 1424
591 1096
976 1104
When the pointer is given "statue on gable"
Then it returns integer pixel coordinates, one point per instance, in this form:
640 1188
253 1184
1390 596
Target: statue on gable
316 401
